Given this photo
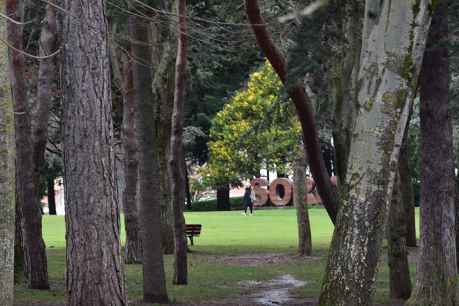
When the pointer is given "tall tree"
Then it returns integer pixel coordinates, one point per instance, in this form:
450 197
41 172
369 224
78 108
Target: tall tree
7 178
133 245
154 285
94 274
436 279
399 274
178 180
407 194
393 43
34 246
299 196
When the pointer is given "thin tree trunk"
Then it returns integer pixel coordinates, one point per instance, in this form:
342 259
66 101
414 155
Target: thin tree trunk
154 285
407 195
436 279
399 273
51 196
303 107
299 195
223 197
189 202
19 269
94 274
34 246
7 179
133 245
177 155
394 34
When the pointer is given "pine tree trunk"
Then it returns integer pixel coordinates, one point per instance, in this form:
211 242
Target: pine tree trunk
394 34
154 285
299 195
407 195
51 196
7 179
34 246
177 155
94 274
436 279
133 245
399 273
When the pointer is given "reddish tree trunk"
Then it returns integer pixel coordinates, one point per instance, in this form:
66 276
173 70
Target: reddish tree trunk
436 279
94 274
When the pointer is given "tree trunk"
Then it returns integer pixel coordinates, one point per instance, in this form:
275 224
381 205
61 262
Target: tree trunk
163 93
19 269
456 207
154 285
133 245
344 82
223 197
436 279
189 201
94 274
51 196
177 175
407 195
399 273
303 107
299 196
34 246
7 179
394 36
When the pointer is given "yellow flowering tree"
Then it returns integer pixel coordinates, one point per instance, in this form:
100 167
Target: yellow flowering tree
255 129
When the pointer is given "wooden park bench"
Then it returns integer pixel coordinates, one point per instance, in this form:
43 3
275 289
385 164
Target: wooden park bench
192 230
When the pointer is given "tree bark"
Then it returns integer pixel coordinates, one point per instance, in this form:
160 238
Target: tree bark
7 178
303 107
34 246
399 273
163 93
154 285
223 197
19 269
133 245
51 196
344 82
94 274
393 43
177 175
407 195
436 279
299 196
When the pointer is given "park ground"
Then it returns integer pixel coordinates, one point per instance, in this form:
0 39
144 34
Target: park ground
237 260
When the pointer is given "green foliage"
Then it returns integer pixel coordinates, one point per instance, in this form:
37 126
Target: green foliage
254 128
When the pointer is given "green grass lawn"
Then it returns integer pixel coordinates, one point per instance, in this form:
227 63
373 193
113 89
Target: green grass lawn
212 276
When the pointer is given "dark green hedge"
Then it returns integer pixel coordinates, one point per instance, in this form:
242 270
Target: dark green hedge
211 205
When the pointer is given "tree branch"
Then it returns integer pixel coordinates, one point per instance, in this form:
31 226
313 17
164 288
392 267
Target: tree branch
303 107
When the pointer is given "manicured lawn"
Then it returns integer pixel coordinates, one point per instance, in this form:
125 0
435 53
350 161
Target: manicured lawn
224 255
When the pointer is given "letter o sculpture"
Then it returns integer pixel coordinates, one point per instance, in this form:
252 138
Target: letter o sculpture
261 196
275 197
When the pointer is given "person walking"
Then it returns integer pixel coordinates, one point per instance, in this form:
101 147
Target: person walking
247 201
